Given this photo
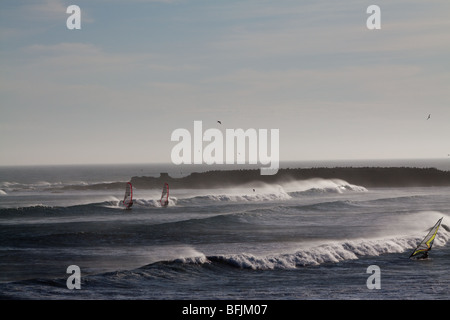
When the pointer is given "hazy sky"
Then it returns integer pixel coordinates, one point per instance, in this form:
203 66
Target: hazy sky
114 91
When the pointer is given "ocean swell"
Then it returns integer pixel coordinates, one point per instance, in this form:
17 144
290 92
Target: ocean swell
332 252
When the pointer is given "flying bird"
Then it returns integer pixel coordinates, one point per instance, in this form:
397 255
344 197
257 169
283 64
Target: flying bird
219 121
429 116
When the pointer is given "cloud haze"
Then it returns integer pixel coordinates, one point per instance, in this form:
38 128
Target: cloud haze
114 91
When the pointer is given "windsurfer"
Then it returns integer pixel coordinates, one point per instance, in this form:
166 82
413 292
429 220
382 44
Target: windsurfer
421 251
128 199
165 196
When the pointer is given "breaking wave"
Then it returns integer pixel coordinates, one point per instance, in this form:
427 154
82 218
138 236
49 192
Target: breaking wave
320 186
263 192
332 252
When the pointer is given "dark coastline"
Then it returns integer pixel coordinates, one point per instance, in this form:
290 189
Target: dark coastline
369 177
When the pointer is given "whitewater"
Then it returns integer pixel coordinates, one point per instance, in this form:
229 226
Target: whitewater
305 239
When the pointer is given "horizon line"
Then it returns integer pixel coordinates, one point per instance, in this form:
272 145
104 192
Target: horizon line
213 165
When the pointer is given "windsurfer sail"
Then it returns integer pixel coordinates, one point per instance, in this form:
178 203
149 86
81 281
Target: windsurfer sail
128 199
421 252
165 195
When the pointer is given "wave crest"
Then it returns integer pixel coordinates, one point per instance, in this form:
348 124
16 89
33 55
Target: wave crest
332 252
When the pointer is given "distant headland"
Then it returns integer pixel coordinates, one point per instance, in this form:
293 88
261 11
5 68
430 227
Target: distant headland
369 177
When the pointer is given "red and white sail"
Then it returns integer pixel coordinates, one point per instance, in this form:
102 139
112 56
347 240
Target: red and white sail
128 199
165 195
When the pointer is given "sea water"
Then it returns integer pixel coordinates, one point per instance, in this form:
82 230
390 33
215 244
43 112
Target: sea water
310 239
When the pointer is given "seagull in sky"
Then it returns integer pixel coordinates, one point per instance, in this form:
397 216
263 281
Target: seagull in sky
429 116
219 121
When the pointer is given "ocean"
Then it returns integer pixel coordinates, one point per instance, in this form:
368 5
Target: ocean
315 239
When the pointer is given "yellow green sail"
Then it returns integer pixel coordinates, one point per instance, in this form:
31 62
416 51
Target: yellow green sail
426 244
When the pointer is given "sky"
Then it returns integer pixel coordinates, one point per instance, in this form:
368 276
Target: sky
115 90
